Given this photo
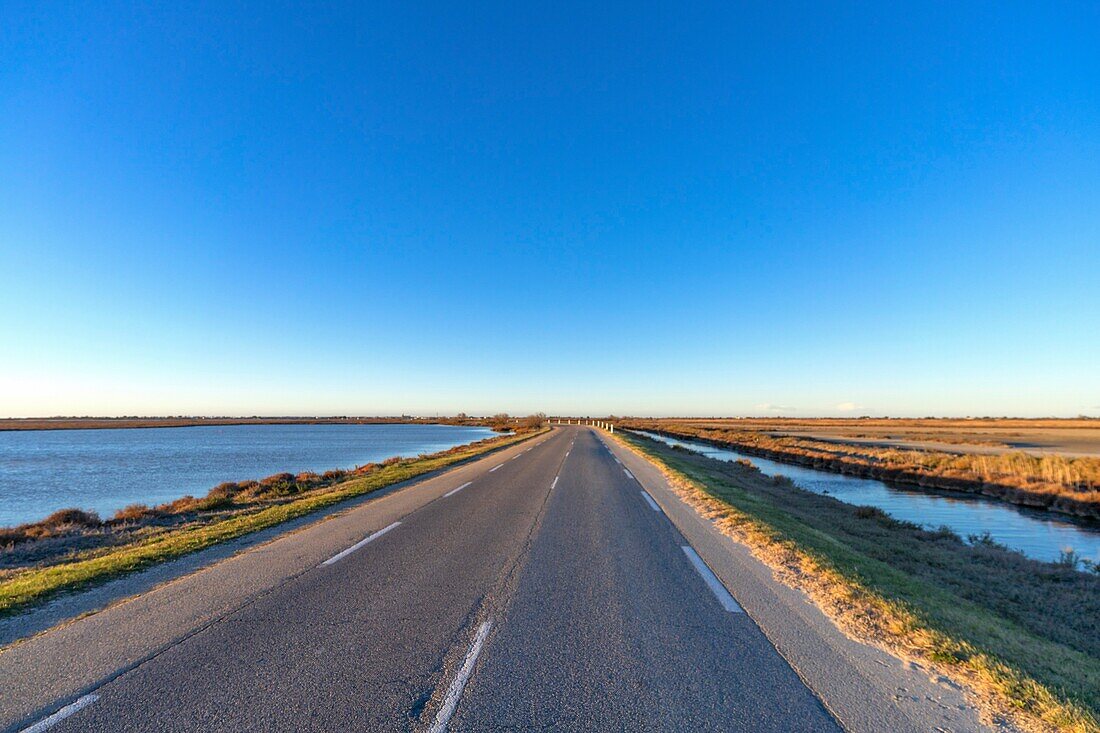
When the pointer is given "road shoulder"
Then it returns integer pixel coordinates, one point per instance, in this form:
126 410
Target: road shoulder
866 688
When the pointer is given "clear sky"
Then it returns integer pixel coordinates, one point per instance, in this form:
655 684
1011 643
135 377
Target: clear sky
647 208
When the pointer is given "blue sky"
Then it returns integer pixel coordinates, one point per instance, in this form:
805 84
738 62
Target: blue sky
805 209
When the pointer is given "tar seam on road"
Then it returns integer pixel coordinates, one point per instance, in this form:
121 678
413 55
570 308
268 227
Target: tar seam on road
360 543
649 500
458 684
74 707
495 467
712 581
628 473
460 488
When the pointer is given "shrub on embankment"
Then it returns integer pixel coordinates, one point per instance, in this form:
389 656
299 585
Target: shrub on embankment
1070 485
71 523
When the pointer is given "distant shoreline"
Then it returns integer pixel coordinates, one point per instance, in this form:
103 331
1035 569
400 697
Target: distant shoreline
101 423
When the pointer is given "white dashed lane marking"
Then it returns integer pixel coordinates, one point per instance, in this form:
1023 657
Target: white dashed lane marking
360 543
71 708
712 581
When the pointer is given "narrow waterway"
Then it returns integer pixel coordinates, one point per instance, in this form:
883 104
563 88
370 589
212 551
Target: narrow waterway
1038 534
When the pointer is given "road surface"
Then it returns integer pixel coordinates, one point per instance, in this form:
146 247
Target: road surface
543 589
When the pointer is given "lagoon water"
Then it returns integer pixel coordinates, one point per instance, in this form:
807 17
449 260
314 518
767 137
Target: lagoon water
104 470
1038 534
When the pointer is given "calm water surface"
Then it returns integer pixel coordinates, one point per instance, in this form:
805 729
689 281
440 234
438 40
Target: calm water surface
104 470
1038 534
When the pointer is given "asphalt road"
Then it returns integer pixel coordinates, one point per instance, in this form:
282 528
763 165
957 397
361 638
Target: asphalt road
547 592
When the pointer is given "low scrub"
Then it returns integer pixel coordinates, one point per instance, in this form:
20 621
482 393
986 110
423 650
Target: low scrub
134 513
67 523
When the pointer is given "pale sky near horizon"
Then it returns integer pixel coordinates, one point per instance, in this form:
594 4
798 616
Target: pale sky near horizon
726 209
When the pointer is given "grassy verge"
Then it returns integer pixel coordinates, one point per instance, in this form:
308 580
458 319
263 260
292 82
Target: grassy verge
1020 633
36 584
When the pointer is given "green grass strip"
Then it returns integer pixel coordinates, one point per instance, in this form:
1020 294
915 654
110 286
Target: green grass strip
37 585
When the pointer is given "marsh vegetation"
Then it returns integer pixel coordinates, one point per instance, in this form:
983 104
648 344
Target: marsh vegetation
1070 485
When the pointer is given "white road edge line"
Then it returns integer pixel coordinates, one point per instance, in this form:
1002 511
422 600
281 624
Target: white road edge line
555 481
360 543
649 500
51 721
458 684
495 467
712 581
455 491
628 473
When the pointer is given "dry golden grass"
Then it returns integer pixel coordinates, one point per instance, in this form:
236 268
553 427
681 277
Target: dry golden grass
1079 435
